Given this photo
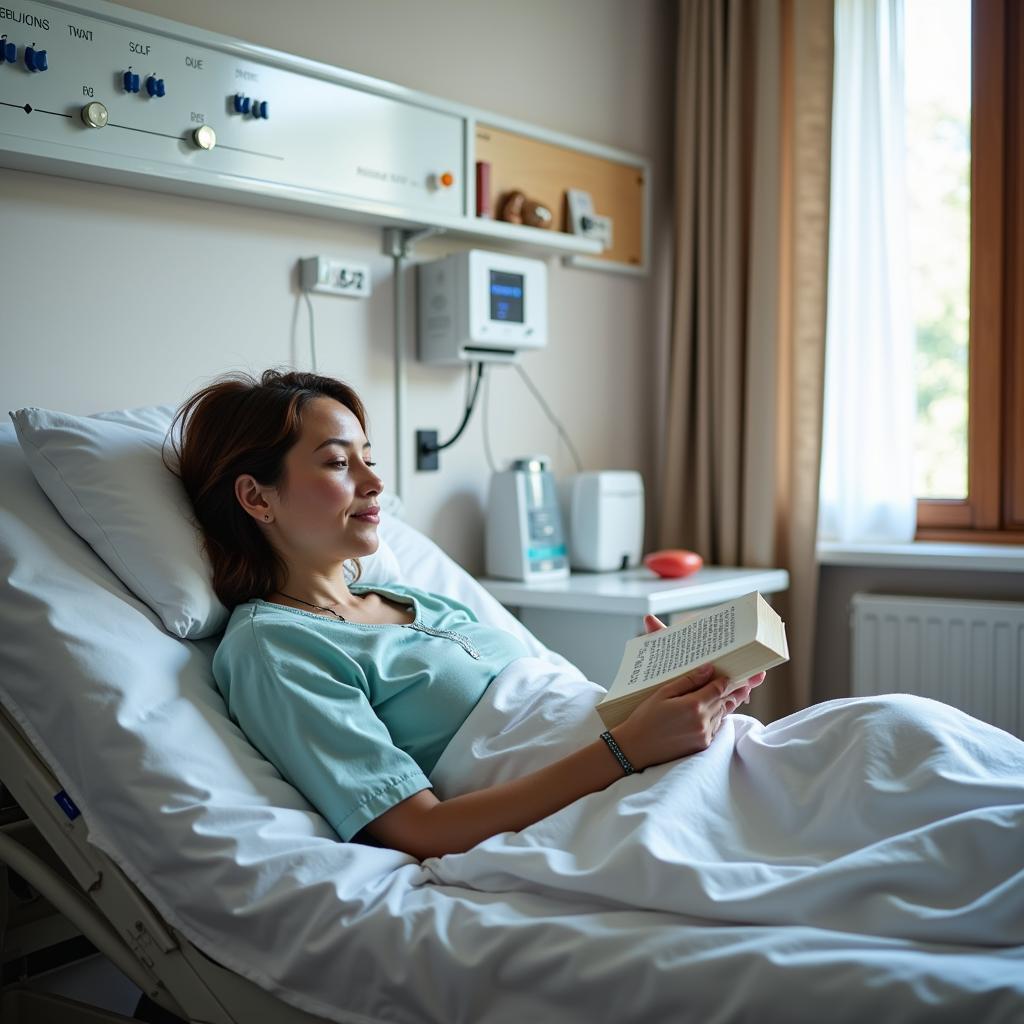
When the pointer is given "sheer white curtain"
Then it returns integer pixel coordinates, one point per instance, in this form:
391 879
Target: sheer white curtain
867 470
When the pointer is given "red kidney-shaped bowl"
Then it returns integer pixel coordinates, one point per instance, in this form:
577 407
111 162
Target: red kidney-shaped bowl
673 562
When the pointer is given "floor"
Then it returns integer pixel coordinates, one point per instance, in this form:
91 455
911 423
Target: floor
94 980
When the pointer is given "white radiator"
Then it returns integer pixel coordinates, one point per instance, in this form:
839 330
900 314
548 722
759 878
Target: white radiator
966 653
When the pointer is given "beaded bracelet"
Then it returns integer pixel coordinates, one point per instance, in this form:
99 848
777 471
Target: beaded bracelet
616 750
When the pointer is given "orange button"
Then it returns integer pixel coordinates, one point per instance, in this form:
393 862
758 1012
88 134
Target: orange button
447 179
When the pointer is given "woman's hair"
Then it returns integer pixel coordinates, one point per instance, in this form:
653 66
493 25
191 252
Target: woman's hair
236 425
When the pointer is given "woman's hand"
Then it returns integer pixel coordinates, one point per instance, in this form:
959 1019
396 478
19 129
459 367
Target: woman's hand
679 718
741 695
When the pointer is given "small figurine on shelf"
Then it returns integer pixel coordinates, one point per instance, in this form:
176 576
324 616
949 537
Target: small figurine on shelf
537 215
517 209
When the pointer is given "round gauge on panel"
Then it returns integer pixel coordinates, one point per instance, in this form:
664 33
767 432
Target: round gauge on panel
204 137
94 114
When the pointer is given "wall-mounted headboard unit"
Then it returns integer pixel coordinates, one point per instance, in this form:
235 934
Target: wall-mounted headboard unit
111 94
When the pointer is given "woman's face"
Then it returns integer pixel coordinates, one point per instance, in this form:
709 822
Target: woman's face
328 481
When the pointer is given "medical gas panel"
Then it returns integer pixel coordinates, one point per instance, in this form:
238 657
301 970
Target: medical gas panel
115 95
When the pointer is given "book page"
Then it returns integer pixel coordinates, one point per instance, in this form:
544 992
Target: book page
670 652
696 642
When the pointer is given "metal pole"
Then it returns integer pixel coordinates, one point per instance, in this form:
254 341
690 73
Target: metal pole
399 346
398 245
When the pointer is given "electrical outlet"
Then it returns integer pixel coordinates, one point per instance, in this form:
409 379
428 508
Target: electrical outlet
335 277
426 459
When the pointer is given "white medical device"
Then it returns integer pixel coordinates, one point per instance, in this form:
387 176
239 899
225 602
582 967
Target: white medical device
603 513
525 539
481 306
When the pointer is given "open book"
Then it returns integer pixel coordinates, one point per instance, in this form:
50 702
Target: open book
739 637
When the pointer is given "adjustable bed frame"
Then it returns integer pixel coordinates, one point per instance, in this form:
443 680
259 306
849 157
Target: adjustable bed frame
110 911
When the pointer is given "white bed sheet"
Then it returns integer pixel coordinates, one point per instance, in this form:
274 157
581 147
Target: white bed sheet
240 863
896 816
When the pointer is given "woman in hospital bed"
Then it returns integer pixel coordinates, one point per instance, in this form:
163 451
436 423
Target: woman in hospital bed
353 709
355 690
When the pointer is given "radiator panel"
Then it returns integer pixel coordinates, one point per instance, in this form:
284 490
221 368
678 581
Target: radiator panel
969 654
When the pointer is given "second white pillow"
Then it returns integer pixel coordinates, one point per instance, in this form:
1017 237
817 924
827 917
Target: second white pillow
105 475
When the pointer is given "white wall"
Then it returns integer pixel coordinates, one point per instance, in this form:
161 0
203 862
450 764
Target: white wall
113 297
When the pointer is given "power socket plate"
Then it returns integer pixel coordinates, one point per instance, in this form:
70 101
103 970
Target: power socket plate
426 460
335 277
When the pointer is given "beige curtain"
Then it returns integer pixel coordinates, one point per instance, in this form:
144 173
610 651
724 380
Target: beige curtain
744 379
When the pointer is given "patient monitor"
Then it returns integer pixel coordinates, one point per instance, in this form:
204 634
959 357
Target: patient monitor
481 306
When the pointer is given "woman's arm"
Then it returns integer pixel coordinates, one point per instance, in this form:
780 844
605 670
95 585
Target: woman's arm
673 722
678 719
423 826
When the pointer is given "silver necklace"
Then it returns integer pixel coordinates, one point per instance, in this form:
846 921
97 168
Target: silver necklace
311 605
450 634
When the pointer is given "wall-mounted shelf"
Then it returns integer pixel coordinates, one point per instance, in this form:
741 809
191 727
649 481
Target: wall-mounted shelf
521 237
545 165
330 142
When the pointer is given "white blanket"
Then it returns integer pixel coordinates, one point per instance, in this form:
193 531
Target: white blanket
893 816
550 924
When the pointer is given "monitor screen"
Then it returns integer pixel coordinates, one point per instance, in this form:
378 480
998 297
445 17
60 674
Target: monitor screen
506 297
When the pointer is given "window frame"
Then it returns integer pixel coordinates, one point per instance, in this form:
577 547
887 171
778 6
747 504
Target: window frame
994 507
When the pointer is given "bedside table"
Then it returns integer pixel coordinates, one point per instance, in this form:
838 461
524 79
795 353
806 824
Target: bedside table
588 617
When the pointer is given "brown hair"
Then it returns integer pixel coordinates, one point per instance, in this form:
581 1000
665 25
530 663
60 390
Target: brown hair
236 425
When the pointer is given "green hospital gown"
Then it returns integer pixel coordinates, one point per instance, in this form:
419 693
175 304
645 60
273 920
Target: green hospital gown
355 715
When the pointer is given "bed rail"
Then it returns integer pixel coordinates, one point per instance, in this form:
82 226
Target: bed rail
102 885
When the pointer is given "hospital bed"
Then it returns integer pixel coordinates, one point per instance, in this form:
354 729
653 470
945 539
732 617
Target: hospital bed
222 893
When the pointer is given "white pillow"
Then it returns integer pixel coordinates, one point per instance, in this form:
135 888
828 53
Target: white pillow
105 475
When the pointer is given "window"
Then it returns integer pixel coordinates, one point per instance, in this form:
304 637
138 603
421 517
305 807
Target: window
937 54
969 326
